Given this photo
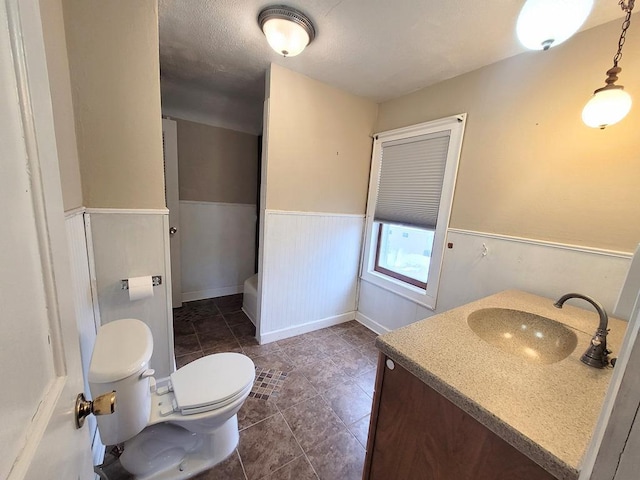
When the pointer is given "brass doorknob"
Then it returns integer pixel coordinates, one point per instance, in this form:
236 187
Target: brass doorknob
105 404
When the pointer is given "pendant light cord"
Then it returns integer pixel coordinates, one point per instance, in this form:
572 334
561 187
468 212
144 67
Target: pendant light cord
626 7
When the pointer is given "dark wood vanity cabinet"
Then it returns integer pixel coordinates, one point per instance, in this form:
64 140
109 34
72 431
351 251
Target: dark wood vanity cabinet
417 434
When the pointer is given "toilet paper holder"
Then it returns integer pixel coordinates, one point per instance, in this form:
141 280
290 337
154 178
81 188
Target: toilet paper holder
155 281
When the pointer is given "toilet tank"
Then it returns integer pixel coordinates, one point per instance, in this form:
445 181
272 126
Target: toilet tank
120 362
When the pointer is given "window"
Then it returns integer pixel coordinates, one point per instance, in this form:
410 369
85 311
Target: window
404 253
410 194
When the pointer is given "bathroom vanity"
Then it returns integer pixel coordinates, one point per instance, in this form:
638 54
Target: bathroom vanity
453 404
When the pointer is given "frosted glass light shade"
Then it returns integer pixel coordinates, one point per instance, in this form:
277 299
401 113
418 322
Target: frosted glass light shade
546 23
285 37
606 107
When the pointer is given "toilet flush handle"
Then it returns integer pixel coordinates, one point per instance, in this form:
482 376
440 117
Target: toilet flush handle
147 373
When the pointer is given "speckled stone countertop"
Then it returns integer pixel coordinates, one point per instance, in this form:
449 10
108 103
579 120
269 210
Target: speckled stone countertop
547 412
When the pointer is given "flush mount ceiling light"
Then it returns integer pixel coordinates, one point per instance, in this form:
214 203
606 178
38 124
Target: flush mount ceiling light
543 24
288 30
611 103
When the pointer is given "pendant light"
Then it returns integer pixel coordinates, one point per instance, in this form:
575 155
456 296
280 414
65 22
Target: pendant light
611 103
543 24
288 30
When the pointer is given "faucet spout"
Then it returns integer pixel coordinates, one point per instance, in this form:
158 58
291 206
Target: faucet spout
597 354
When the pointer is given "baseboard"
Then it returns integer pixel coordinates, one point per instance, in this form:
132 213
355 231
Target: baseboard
305 328
371 324
212 293
253 320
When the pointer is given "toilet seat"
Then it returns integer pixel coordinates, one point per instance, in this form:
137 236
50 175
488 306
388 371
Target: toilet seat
212 382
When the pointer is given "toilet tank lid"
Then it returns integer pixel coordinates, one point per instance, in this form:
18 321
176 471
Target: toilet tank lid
122 348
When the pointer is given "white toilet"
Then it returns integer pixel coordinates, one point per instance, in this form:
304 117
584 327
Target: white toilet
171 432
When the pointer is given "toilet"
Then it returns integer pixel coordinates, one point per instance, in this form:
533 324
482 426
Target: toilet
174 431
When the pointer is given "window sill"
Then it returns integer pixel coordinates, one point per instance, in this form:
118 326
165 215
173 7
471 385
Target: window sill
402 289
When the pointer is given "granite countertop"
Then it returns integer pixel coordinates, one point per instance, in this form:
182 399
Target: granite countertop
547 412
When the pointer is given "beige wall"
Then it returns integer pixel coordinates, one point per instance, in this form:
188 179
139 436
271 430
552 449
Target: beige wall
216 164
319 146
529 166
114 65
60 86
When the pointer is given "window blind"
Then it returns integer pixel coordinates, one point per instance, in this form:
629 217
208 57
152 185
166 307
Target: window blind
410 182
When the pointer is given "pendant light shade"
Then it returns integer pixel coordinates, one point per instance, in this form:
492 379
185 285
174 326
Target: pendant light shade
543 24
611 103
606 107
288 31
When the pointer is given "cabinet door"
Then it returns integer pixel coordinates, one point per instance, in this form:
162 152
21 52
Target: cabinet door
420 435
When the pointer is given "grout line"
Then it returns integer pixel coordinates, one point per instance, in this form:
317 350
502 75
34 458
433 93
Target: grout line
244 472
304 453
344 423
260 421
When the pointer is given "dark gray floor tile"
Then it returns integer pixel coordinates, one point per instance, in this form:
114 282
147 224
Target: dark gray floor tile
296 388
357 337
185 344
370 350
253 351
243 330
360 430
217 338
228 300
304 353
229 469
352 361
292 341
349 402
338 457
312 421
367 381
182 360
182 327
364 330
255 410
324 374
267 446
342 327
316 334
331 344
299 469
223 347
209 323
237 318
276 360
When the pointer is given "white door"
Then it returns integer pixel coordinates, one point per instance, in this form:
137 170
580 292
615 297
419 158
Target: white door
39 353
170 151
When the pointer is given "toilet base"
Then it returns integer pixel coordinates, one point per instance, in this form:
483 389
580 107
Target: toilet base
169 452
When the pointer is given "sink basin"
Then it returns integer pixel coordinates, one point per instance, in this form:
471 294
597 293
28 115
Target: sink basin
529 336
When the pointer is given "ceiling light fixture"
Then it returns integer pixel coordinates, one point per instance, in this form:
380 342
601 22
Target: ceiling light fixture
611 103
543 24
288 30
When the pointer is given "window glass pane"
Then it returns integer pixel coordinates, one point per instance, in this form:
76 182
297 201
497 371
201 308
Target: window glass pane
406 251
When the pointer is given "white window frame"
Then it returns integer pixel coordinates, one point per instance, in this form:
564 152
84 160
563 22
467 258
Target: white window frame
428 297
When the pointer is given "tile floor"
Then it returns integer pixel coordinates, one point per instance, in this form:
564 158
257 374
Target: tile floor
316 425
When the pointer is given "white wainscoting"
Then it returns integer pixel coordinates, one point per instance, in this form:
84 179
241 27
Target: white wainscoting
310 270
132 243
217 248
542 268
87 313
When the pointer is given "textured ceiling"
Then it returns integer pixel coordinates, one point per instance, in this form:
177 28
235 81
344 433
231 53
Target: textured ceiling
213 55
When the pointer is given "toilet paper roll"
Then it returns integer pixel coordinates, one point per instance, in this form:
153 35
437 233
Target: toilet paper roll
140 287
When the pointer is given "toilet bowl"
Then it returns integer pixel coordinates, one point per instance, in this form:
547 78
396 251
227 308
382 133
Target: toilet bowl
174 431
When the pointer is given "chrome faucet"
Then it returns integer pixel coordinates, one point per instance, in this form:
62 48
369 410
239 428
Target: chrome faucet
597 355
